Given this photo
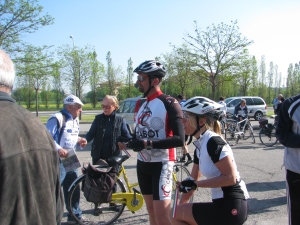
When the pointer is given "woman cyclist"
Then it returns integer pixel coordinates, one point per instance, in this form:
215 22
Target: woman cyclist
214 159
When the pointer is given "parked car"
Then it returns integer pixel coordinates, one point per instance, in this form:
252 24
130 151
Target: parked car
257 107
129 108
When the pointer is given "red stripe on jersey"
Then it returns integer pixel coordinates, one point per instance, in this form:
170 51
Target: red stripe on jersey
169 133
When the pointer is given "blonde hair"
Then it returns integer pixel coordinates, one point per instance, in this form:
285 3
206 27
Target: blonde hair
113 99
210 124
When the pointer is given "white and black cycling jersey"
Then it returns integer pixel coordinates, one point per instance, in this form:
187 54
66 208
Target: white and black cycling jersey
159 120
210 149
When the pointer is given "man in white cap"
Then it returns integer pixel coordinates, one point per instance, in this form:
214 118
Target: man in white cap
64 128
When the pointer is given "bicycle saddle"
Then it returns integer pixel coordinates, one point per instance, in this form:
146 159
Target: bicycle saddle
117 160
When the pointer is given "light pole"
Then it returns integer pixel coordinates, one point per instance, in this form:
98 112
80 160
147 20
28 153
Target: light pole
72 40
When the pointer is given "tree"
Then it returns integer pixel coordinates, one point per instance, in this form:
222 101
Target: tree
217 50
113 76
97 70
180 63
19 17
129 77
270 81
76 66
262 72
35 67
57 83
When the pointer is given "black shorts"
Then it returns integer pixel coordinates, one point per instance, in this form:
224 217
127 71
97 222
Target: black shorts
221 211
155 178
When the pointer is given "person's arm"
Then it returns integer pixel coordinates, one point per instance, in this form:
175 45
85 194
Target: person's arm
218 151
51 126
124 131
195 174
174 122
246 111
92 131
284 131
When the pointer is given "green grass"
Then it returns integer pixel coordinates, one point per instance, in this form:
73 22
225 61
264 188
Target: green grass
84 118
52 107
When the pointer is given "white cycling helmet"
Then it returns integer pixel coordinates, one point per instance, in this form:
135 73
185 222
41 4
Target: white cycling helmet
203 106
152 68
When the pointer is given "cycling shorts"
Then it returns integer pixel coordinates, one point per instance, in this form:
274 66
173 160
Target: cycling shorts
221 211
155 178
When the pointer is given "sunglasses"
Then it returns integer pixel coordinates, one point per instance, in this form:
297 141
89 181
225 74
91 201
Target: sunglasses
106 106
141 78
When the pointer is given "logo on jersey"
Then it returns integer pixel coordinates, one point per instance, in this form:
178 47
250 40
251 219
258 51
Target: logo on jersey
234 212
219 148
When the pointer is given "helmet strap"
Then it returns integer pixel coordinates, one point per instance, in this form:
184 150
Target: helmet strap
150 87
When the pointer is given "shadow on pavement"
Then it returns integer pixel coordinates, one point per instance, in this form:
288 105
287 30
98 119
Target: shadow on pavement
261 206
265 186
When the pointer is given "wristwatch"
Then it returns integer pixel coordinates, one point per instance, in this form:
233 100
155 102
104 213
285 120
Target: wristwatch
149 147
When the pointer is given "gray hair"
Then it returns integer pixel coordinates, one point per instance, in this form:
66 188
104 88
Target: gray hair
7 70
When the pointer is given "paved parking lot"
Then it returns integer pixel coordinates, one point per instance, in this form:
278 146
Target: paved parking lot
261 169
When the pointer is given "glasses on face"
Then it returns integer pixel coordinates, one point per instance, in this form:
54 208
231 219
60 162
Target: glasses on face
141 78
106 106
185 116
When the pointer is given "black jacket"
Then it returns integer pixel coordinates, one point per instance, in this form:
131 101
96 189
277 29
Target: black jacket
112 130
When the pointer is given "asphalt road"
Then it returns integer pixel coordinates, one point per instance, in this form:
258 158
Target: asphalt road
260 167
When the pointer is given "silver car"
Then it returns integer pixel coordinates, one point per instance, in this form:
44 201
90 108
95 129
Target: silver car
129 108
257 107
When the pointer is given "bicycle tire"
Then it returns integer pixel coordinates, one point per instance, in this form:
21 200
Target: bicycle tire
223 129
96 213
268 139
248 133
181 174
231 138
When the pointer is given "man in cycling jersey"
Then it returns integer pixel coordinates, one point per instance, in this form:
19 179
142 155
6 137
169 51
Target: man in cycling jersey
157 133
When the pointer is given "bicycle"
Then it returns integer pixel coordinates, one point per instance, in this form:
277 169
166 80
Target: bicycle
239 129
107 213
267 131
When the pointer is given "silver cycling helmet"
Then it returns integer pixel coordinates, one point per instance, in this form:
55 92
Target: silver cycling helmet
203 106
152 68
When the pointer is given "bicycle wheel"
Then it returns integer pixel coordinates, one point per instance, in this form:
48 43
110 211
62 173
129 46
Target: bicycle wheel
104 213
267 138
232 129
248 132
223 128
180 173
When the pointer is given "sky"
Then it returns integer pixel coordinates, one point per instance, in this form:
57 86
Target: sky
143 30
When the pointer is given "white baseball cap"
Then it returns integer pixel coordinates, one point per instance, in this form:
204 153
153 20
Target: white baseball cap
72 99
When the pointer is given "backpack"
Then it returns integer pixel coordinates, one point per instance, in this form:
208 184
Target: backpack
99 182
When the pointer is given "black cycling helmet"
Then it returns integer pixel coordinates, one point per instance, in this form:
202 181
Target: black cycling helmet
153 69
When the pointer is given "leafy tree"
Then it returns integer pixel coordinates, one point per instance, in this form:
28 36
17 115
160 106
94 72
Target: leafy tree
97 70
270 82
76 66
262 73
180 64
217 50
20 17
35 68
57 83
129 77
113 76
